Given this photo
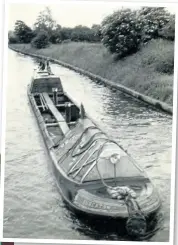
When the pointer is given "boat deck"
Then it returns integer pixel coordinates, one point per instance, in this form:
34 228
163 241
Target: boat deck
58 116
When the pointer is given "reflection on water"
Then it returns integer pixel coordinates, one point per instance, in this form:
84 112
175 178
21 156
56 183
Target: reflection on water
33 206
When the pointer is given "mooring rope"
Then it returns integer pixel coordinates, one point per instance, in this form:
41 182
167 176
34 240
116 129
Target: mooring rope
136 222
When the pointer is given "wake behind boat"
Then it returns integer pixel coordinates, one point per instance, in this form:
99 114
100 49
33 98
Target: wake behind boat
94 174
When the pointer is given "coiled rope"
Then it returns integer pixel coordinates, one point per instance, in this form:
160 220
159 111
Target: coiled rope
136 222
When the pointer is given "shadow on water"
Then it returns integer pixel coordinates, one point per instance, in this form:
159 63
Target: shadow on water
112 229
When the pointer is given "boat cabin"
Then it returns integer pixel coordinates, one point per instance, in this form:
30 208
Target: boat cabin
42 82
54 105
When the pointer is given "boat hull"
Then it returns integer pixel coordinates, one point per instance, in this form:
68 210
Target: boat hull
68 188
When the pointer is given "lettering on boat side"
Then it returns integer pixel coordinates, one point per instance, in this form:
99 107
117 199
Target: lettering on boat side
94 204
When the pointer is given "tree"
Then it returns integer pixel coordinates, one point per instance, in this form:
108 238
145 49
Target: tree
12 37
65 33
121 32
81 33
168 31
23 32
56 35
41 40
153 20
45 22
97 32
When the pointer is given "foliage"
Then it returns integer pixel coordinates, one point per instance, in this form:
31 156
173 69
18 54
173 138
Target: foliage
125 31
165 66
121 32
159 54
12 37
56 35
41 40
66 41
55 32
97 32
80 33
65 33
153 20
168 31
83 33
45 22
166 63
23 32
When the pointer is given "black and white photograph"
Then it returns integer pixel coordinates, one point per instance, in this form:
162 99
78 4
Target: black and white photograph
89 134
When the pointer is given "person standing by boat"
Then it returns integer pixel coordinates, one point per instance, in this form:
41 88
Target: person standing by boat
41 65
48 67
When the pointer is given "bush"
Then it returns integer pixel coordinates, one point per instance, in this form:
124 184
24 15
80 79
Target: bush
54 38
153 20
121 32
159 54
13 39
97 33
66 41
41 40
166 64
83 33
65 33
165 67
55 35
23 32
168 31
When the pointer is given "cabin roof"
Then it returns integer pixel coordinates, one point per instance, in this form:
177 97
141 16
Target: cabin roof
39 75
43 82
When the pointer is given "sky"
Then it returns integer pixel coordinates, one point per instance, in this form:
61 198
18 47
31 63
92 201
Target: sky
68 14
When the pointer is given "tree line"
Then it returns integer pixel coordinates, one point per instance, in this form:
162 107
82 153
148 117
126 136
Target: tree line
47 29
122 32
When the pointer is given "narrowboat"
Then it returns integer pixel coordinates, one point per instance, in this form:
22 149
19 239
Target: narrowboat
95 176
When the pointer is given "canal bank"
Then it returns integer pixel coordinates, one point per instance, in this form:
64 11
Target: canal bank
140 96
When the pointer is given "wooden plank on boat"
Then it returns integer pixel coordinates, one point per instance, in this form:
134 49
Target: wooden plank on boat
62 123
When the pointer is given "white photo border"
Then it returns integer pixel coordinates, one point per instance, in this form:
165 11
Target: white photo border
174 128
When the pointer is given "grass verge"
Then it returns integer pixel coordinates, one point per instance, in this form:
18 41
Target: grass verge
149 71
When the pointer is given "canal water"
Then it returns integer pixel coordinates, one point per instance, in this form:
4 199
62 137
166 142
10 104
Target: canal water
33 207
